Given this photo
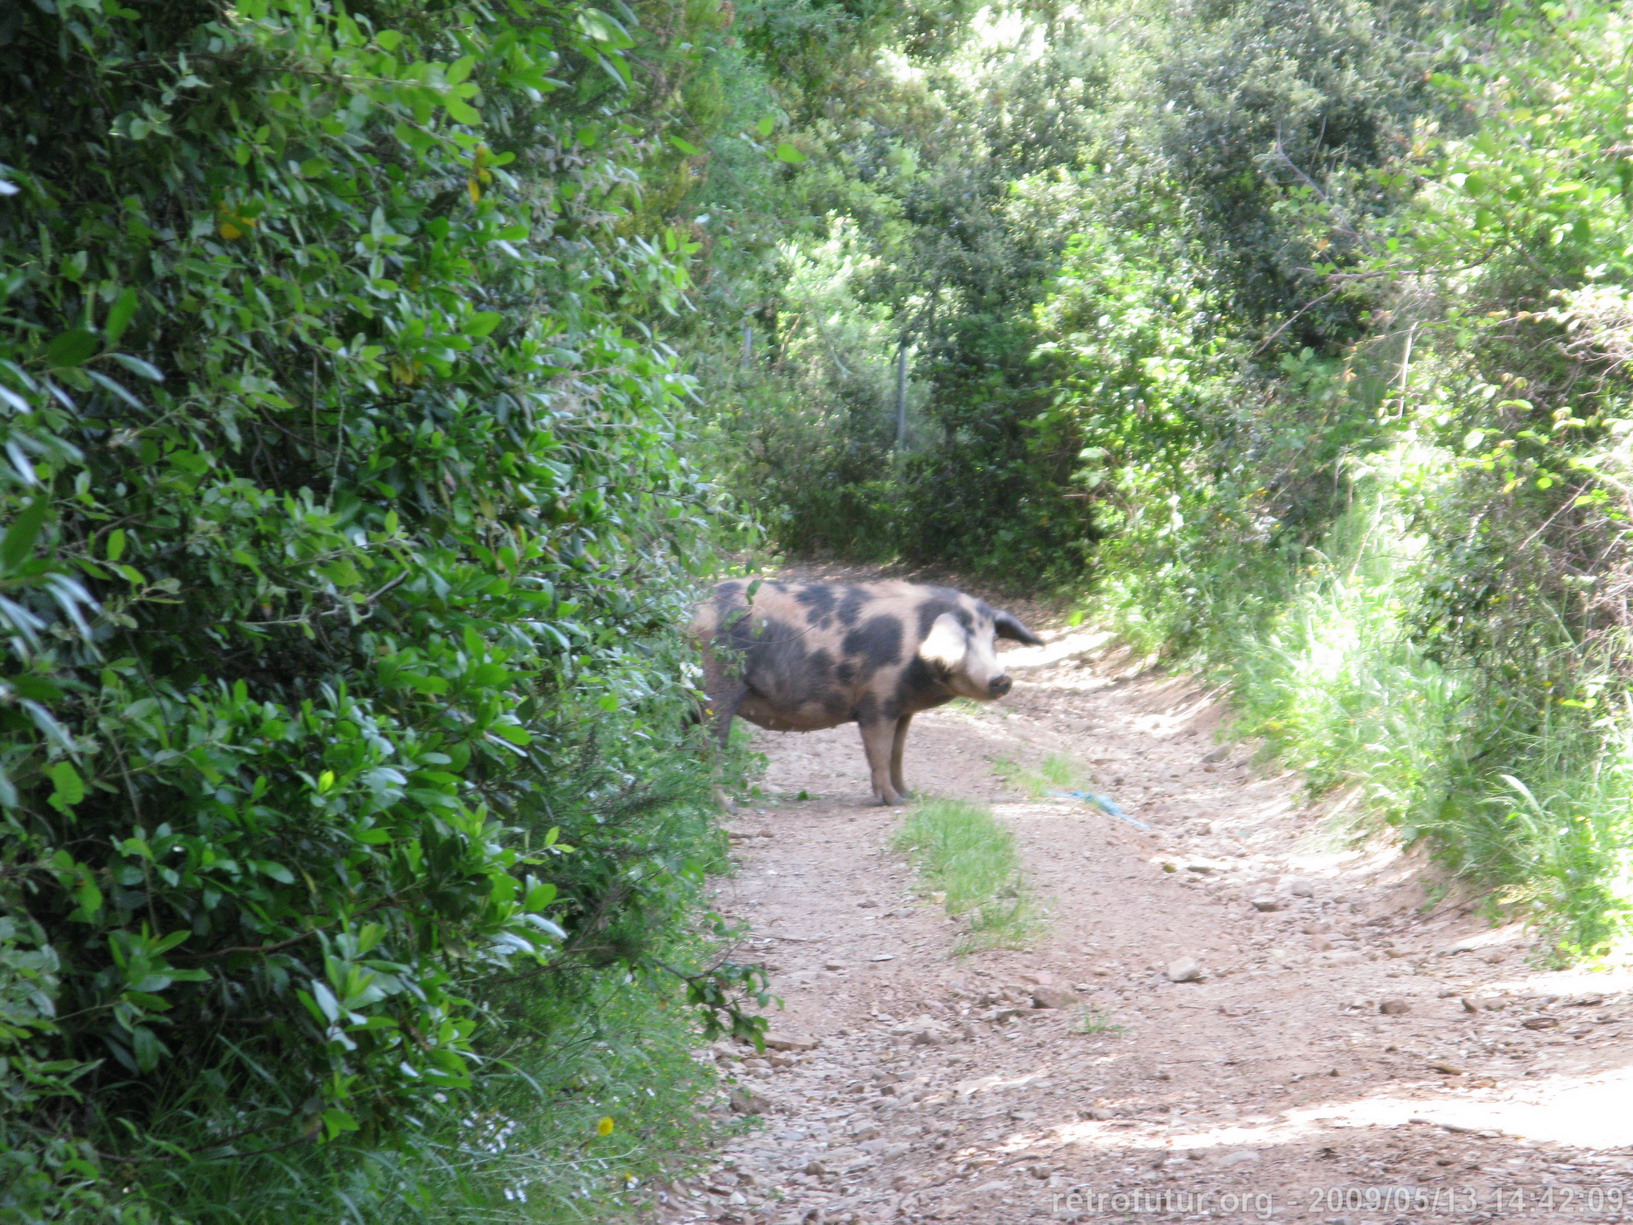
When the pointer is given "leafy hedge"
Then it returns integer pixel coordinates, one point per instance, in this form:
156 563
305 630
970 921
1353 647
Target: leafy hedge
1395 511
341 496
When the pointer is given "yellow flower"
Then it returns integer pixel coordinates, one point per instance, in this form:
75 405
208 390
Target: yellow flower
231 223
605 1126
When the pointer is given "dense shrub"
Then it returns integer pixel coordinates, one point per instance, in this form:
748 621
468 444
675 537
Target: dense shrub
344 537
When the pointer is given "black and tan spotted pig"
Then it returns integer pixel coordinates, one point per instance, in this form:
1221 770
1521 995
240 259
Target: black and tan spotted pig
806 656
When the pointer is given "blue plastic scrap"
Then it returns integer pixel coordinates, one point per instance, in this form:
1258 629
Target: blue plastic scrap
1105 804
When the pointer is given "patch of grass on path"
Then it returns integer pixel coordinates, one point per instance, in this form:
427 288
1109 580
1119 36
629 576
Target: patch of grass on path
1056 772
968 858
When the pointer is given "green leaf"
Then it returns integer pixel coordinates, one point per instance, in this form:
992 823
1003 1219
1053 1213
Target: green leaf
460 69
462 112
120 314
86 894
482 323
325 1000
766 126
69 788
787 153
19 539
137 366
337 1121
604 29
686 146
72 348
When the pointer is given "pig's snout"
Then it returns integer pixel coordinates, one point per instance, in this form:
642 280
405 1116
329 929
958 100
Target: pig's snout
999 686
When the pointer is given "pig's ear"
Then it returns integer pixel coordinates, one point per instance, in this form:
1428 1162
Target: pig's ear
945 644
1006 626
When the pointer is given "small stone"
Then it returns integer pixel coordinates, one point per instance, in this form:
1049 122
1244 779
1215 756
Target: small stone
787 1042
1218 755
1184 970
1267 903
1301 886
1469 1005
833 965
746 1101
1245 1157
1394 1008
1541 1022
918 1025
1053 997
1449 1069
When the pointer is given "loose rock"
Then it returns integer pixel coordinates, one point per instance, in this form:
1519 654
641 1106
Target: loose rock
1184 970
1053 997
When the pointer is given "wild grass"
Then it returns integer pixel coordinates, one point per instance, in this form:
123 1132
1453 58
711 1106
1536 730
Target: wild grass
968 858
1097 1021
1522 790
1056 772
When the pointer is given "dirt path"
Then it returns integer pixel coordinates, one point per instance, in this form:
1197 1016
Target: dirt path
1345 1057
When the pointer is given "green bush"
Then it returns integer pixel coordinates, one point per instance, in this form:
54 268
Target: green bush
345 535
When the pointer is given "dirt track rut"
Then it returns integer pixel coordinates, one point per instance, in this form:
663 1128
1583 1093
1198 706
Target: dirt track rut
1349 1055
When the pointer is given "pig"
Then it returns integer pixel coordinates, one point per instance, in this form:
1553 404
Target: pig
803 656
